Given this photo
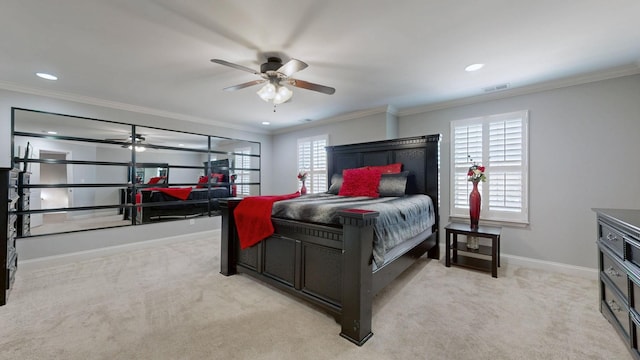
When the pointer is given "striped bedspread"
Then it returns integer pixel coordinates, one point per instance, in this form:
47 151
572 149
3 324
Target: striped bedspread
400 218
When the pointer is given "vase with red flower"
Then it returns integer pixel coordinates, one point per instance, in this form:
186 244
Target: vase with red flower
475 175
474 206
302 177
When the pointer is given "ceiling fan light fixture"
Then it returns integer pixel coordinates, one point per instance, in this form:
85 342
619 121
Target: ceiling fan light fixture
267 92
282 95
138 148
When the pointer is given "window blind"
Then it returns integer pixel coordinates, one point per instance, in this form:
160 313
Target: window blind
312 159
242 164
498 142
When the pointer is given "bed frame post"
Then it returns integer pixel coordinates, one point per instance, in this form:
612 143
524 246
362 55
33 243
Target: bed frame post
228 247
357 280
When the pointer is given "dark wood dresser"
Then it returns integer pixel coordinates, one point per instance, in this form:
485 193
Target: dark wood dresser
24 204
8 228
619 264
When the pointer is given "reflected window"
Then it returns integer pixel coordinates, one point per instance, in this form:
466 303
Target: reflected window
242 165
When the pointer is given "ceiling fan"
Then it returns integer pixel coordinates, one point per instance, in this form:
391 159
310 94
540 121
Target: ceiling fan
276 74
127 143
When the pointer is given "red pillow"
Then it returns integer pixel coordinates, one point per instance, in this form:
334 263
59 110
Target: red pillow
202 180
218 177
388 169
360 182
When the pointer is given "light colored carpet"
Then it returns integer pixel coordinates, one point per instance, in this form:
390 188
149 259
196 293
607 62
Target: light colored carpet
166 300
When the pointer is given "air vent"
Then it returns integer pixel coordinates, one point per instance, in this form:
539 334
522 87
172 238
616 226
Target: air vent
496 88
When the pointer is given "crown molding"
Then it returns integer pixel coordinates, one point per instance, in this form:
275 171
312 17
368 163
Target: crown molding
124 106
627 70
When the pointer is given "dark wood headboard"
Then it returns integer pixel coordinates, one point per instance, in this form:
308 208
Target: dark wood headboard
219 166
419 155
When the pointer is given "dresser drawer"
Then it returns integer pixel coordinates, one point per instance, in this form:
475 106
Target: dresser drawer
11 234
635 334
26 204
632 252
11 252
12 267
617 307
612 238
13 178
612 269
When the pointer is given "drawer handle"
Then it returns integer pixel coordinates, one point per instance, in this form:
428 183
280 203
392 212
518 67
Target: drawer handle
612 272
612 237
613 306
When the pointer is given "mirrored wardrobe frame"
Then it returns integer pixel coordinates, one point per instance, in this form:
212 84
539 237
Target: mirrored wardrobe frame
140 201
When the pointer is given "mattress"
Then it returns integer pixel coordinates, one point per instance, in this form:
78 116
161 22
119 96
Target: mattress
400 219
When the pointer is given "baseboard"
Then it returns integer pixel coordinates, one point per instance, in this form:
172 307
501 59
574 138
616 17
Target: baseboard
42 262
572 270
579 271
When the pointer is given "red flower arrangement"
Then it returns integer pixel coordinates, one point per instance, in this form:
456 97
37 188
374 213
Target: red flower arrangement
302 176
476 172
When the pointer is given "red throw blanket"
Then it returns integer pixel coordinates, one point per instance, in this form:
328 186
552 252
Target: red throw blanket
178 193
253 218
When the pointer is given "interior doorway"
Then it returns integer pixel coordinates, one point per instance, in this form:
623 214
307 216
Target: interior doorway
54 198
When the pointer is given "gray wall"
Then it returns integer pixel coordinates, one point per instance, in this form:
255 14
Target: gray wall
583 154
370 128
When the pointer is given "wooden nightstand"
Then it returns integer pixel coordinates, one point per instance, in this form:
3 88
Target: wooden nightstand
493 251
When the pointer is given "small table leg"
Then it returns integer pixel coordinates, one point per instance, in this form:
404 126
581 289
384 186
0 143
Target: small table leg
455 247
447 261
498 251
494 256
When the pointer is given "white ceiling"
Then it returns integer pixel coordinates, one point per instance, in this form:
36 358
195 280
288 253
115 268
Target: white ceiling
155 54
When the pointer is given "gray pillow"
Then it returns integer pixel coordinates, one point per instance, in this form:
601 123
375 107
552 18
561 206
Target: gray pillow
393 184
336 183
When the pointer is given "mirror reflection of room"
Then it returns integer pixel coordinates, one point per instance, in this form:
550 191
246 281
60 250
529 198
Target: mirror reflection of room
92 174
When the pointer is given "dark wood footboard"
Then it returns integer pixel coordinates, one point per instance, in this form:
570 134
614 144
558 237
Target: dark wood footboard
151 211
330 267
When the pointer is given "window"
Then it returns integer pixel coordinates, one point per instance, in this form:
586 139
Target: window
312 159
498 142
242 166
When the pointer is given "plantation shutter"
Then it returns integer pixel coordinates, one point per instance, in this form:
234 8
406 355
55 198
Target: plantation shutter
467 142
505 164
242 166
498 142
312 159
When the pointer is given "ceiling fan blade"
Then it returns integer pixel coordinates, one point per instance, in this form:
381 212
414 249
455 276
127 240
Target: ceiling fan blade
311 86
292 66
235 66
244 85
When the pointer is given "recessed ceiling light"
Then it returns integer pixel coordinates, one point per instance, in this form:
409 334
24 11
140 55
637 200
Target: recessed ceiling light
266 123
47 76
474 67
52 132
180 144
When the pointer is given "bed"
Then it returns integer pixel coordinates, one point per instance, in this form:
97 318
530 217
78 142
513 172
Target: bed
332 265
164 202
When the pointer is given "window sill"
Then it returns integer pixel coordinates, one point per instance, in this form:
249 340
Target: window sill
513 224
